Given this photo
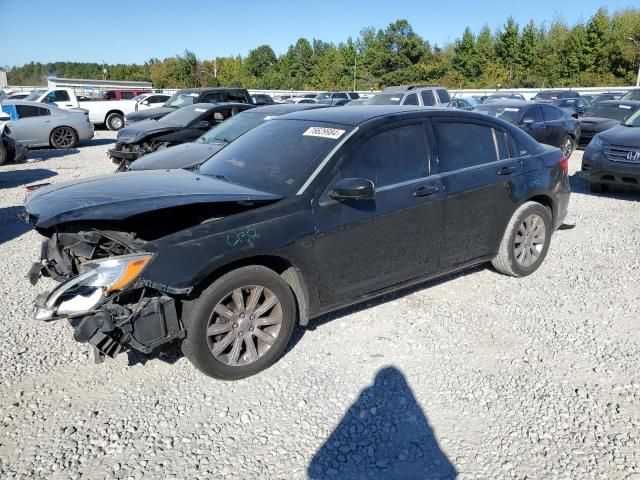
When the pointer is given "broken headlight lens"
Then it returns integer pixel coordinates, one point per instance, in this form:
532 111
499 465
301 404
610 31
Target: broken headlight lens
95 281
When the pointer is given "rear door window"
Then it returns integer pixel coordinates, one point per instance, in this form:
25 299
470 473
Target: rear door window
236 96
532 113
340 95
28 111
443 95
428 99
463 145
550 113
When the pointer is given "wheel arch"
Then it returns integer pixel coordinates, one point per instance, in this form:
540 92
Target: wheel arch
291 275
62 126
546 201
113 111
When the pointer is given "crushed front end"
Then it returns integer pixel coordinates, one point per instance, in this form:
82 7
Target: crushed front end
104 294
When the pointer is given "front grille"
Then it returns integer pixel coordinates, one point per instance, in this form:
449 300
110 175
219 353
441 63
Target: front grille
616 153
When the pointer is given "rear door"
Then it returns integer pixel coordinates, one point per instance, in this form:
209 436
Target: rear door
479 175
33 126
554 119
367 245
533 123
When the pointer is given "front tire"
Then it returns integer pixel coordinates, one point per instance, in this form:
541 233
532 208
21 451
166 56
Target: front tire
567 146
63 138
114 121
525 242
240 325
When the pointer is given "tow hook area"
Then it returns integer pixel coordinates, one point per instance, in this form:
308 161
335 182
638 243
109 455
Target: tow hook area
100 332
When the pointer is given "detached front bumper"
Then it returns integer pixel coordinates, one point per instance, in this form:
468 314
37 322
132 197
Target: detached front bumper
118 155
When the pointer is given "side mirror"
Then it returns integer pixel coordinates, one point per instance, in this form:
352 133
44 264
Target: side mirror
202 125
352 189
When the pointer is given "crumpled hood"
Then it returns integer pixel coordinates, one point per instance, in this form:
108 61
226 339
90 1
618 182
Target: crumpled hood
181 156
597 124
122 195
622 136
156 113
140 130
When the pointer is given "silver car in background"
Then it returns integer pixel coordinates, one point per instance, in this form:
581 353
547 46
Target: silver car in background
35 124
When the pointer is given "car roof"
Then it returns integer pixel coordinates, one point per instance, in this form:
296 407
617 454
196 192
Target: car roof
631 103
353 116
511 102
406 88
218 106
284 108
207 89
25 102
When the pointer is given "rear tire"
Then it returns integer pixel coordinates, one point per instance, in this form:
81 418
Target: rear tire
525 242
212 336
63 138
114 121
596 188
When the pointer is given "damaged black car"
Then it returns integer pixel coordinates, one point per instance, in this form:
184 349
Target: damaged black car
183 125
302 215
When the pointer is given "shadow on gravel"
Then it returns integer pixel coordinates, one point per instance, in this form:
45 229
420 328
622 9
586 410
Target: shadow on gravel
36 155
100 141
384 435
12 226
15 178
618 192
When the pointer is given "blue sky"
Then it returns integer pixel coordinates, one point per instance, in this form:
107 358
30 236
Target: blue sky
117 31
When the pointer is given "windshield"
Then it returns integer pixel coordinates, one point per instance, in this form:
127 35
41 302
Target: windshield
322 96
385 99
614 111
184 116
632 95
633 120
33 96
278 156
509 114
178 99
546 95
231 129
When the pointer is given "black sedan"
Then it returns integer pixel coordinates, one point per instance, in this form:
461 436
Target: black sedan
573 106
302 215
192 154
604 115
544 122
613 156
180 126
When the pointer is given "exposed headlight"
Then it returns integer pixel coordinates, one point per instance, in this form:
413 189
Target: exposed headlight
96 281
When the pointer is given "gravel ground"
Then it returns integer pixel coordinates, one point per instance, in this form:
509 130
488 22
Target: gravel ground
479 375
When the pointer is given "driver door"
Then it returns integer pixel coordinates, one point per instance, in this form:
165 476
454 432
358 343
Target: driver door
366 245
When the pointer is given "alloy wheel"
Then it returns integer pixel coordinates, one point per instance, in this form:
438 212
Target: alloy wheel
567 147
63 137
529 241
244 325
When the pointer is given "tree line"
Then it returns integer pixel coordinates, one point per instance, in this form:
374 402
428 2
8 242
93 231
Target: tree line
596 52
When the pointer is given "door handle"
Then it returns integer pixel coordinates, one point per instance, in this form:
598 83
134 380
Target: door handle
425 191
506 170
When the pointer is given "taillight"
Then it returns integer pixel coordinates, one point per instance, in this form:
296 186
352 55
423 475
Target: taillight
564 164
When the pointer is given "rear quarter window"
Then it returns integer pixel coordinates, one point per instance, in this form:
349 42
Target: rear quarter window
462 145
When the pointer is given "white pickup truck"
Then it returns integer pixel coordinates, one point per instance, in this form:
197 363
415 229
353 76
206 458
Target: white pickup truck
108 112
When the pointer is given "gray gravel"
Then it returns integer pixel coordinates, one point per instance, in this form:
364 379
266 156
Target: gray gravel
479 376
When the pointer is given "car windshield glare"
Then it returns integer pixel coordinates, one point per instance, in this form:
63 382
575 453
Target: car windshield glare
277 156
183 116
181 99
615 111
509 114
33 96
231 129
633 120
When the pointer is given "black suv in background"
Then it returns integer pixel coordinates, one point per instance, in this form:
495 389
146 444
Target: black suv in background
551 95
304 214
425 95
190 96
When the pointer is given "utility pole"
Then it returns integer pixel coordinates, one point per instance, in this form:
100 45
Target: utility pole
637 44
355 68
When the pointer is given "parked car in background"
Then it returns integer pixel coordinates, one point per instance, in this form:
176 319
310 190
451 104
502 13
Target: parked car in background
303 100
608 96
546 123
180 126
613 156
573 106
119 94
604 115
282 98
336 96
633 94
588 98
190 155
146 101
10 150
262 99
425 95
464 103
503 96
190 96
35 124
551 95
336 102
103 112
301 216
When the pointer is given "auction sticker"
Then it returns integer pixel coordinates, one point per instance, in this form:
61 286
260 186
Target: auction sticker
323 132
